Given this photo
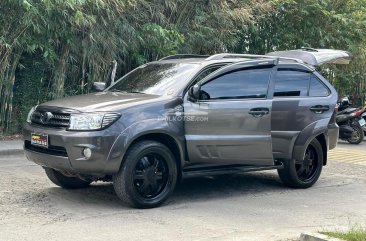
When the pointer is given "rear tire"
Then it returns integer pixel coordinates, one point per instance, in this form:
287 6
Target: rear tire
64 181
357 135
147 176
303 174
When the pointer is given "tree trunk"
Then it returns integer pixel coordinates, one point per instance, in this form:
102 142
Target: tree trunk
60 73
7 75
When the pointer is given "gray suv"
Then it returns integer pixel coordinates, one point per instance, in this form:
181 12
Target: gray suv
190 115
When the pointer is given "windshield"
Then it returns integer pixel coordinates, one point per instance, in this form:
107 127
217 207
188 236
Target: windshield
155 79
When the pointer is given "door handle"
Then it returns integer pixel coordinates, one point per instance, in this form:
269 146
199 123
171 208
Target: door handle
259 112
319 109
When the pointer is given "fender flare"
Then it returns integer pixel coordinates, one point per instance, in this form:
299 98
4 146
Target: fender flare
307 135
138 130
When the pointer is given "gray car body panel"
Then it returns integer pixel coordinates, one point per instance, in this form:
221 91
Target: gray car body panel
110 145
230 135
282 134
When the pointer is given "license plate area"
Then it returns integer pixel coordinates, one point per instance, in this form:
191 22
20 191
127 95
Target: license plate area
362 122
39 139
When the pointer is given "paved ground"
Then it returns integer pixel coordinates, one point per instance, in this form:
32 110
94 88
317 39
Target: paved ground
345 152
251 206
11 147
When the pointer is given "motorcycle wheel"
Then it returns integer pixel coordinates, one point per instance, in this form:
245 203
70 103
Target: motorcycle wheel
357 135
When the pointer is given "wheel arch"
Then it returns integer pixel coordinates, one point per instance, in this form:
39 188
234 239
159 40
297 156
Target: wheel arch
165 139
322 140
125 141
317 131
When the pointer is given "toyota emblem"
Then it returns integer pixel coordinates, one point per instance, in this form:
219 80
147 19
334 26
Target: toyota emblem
45 117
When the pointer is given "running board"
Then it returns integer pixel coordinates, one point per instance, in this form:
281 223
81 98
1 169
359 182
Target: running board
227 170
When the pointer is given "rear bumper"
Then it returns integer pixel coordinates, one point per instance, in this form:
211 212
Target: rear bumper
333 135
66 147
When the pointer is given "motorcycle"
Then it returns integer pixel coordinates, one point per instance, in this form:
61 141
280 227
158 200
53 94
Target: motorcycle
363 121
351 125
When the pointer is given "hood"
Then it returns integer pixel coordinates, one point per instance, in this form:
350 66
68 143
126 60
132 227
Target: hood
101 101
316 57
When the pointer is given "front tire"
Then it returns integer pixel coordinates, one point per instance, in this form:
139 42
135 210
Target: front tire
357 135
147 176
304 173
64 181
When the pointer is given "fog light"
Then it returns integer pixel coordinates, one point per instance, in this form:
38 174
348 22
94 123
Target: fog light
87 152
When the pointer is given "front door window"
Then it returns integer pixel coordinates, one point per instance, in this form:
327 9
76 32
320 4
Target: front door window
243 84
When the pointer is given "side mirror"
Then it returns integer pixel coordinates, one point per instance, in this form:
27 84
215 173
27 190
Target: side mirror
194 92
99 86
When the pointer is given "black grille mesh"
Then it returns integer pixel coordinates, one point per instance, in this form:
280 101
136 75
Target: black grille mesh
50 119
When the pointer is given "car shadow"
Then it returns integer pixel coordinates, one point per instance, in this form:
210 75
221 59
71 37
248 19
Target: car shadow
189 190
223 186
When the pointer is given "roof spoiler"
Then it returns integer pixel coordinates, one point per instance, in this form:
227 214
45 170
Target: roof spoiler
316 57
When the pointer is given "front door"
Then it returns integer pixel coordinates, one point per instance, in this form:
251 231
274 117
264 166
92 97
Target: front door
231 121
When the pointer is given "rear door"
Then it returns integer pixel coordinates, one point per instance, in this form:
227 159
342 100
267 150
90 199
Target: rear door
301 99
231 122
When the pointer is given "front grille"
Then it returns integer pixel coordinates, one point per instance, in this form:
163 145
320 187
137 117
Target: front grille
51 150
50 119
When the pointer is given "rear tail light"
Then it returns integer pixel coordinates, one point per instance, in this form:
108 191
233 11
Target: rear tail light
356 113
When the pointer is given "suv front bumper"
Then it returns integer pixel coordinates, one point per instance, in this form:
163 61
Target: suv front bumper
65 152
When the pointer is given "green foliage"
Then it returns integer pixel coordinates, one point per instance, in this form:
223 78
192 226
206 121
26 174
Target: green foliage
54 48
355 234
160 42
337 24
30 88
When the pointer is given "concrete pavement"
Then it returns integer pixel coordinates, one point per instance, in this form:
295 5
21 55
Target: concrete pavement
249 206
14 147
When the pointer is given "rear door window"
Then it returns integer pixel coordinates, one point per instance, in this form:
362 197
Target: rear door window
291 83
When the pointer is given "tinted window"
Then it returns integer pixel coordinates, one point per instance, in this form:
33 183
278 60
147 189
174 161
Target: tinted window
317 89
291 83
238 85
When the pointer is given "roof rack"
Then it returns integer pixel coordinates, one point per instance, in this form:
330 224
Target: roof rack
309 49
228 55
254 56
184 56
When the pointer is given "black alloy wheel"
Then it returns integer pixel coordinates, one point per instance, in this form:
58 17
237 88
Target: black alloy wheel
303 173
147 176
306 169
150 175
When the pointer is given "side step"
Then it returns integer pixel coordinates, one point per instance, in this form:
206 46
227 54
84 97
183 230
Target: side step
227 170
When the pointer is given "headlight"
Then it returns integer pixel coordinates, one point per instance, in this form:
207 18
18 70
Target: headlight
92 121
30 113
